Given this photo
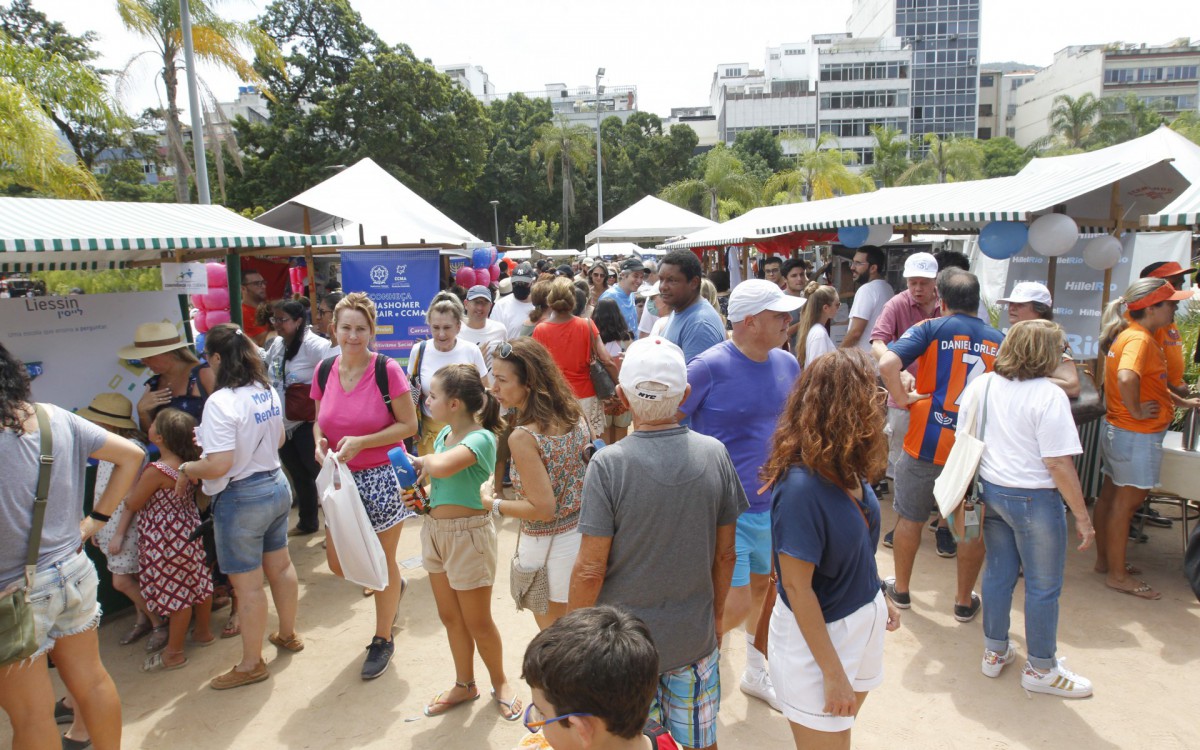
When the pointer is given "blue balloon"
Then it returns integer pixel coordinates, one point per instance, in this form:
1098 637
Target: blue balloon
853 237
481 257
1001 240
200 337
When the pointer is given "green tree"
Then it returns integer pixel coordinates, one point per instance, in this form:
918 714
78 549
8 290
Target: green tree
1127 117
722 178
567 148
640 158
89 130
947 160
1187 125
822 170
890 156
31 156
215 40
760 153
1072 120
108 281
1002 157
538 234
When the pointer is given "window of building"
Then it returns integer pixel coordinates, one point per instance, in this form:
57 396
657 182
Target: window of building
796 51
985 110
985 134
864 71
732 73
987 81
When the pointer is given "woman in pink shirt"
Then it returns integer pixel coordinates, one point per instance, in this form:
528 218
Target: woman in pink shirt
353 420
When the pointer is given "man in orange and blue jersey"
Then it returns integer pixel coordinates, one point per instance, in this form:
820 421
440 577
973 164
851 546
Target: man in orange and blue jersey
951 351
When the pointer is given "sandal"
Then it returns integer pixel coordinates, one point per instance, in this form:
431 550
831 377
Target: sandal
1141 591
293 644
136 633
509 710
203 644
368 592
158 639
232 628
156 663
438 706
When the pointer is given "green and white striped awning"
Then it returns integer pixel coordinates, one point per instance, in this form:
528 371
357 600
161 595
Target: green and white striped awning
1184 212
39 234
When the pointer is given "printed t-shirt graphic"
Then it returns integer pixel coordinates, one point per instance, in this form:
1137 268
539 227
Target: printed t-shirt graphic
950 352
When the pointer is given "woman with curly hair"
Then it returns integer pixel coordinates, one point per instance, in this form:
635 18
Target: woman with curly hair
826 634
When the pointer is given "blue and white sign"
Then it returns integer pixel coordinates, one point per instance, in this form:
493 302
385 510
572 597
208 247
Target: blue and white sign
401 283
185 278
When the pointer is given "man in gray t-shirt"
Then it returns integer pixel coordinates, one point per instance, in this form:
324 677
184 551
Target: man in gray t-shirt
659 518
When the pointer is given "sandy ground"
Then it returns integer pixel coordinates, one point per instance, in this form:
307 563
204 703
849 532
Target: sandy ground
1142 656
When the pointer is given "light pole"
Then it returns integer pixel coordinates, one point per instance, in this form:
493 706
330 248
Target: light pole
599 178
496 219
189 58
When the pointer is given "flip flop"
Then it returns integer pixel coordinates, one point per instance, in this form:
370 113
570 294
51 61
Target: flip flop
136 633
232 629
509 710
204 644
155 663
158 639
1141 591
437 707
293 644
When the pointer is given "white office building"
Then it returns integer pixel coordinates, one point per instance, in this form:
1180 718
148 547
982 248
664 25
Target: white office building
473 78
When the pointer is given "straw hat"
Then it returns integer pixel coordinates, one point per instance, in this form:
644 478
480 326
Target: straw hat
151 339
111 409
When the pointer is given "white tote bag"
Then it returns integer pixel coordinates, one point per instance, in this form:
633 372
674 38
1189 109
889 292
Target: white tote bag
963 462
358 549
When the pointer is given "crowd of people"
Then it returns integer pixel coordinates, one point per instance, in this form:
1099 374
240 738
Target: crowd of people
685 460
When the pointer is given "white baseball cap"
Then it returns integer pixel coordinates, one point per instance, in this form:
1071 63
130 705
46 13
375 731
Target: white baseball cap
920 266
646 291
1029 291
756 295
653 360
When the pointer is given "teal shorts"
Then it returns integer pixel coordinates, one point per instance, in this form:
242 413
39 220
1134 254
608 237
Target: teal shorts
753 547
687 701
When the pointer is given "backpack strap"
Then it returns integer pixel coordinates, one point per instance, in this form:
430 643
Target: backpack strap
45 463
381 379
323 371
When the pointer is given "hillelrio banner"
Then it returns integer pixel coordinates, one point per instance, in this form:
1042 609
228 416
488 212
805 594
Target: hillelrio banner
69 344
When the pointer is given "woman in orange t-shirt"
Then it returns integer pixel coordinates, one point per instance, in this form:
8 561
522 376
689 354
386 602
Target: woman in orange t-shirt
1140 407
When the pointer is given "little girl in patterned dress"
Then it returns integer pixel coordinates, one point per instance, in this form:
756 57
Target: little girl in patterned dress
172 571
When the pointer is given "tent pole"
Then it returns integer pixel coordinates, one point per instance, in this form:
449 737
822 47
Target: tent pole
184 311
312 270
233 271
1114 212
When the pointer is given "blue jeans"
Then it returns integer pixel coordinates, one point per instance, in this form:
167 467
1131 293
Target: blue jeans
250 518
1023 528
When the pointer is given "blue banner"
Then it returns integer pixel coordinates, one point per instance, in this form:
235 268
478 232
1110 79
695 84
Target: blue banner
401 283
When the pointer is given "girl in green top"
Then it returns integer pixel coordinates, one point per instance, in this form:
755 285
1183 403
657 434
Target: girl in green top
458 539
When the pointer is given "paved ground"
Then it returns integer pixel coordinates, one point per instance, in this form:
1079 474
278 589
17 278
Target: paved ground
1142 656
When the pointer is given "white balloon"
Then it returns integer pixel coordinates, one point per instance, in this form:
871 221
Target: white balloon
879 234
1053 234
1102 253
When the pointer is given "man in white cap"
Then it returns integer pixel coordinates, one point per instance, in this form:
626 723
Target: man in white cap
654 317
481 330
659 518
515 308
738 390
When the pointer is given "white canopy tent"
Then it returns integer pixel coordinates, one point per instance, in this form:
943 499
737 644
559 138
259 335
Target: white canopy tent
613 249
1149 172
366 204
649 220
39 234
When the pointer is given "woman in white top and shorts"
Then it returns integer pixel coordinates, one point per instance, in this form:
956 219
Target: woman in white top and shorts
445 318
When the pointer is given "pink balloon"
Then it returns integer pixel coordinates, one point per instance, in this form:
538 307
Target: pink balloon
216 317
465 277
200 320
494 272
483 276
216 275
216 299
198 302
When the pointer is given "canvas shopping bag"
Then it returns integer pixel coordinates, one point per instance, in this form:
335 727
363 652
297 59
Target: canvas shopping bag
358 549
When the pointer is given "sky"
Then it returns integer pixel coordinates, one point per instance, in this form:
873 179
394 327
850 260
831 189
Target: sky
669 50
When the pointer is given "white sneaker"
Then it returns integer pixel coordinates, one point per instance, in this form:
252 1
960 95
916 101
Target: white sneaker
757 684
1058 681
994 661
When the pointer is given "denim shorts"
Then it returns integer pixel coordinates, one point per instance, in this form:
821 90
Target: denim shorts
1131 459
250 519
753 547
64 600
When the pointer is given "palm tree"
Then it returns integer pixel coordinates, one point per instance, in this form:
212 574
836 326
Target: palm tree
1128 117
947 160
31 155
570 148
822 170
214 40
724 179
891 156
1072 119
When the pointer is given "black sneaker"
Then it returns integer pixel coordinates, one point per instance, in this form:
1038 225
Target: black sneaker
901 600
887 539
1137 536
966 613
881 488
1152 517
379 655
946 546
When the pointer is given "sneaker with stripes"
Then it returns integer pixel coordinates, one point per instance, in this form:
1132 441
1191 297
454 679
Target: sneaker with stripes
1058 681
995 661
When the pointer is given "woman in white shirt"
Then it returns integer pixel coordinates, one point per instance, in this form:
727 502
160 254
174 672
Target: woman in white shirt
292 359
812 336
443 347
1026 473
240 437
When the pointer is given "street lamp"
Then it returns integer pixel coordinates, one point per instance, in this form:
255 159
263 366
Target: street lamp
496 219
599 178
